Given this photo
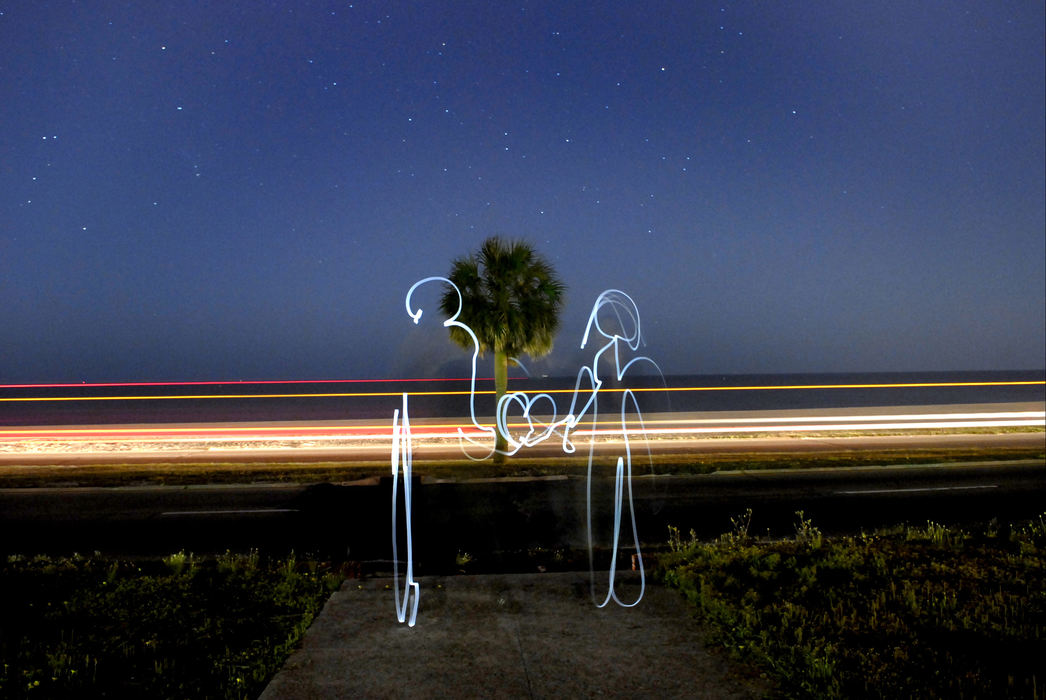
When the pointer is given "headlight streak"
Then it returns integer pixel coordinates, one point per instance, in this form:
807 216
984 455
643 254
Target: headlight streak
441 431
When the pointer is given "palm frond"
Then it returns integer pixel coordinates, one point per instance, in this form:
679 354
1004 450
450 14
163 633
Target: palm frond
510 298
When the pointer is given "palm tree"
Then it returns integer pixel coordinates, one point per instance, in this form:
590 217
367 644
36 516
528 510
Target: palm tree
510 298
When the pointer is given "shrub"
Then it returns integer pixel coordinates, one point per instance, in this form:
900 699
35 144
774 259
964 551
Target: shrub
927 612
178 627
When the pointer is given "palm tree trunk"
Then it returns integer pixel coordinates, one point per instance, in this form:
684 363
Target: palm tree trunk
500 387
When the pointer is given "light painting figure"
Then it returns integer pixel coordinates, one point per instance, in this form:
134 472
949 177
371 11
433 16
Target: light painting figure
612 310
612 305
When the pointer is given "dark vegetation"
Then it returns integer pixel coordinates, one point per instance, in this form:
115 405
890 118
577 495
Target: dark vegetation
180 627
910 612
931 611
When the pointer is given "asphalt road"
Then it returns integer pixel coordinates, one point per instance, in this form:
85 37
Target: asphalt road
492 519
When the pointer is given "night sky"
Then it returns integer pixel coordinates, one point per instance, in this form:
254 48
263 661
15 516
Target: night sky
246 190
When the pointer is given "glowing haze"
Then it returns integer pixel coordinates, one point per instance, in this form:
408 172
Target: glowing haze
244 190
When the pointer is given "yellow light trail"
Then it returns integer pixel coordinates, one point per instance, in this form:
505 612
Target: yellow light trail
366 394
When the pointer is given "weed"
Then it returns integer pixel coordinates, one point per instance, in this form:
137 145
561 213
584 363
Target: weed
675 540
181 626
939 535
928 612
178 561
805 533
738 536
1035 529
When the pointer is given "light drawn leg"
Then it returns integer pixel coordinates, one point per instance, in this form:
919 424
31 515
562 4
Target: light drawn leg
402 453
622 491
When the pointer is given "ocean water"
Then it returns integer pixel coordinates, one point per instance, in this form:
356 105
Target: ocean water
377 399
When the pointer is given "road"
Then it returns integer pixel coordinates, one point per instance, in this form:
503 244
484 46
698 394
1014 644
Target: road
503 515
457 517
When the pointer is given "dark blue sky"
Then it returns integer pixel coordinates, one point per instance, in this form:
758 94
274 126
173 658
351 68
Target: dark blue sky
244 190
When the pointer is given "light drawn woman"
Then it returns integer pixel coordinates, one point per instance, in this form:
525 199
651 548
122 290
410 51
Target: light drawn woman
615 318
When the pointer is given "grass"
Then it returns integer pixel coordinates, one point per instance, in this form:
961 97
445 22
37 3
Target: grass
173 628
928 611
180 474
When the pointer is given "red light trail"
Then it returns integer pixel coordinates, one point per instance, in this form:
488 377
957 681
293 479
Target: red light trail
461 392
90 385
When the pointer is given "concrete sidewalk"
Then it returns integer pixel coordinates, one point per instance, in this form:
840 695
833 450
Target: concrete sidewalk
508 636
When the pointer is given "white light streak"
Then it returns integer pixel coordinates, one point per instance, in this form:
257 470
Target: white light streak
926 489
90 440
401 461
